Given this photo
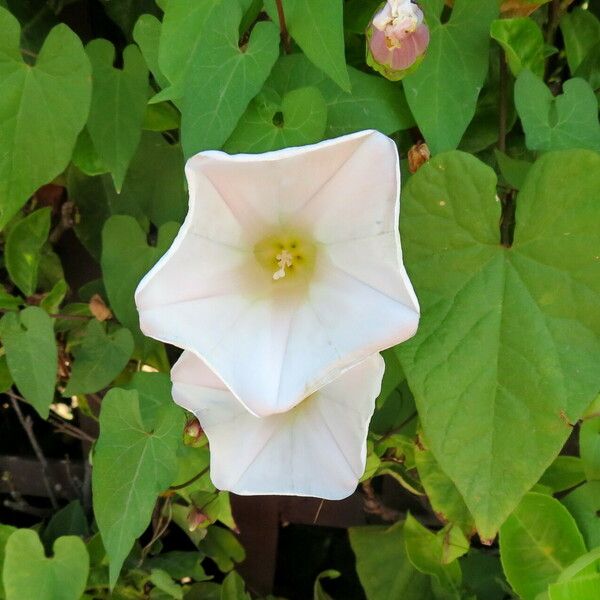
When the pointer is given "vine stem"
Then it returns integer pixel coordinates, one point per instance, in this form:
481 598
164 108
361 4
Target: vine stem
502 100
189 481
27 425
285 36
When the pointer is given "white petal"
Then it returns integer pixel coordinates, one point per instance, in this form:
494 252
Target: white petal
316 449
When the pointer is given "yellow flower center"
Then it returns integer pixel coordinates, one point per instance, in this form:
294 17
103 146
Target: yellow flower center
288 256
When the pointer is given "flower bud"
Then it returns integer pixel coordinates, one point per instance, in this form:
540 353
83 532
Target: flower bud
195 518
418 155
397 39
192 433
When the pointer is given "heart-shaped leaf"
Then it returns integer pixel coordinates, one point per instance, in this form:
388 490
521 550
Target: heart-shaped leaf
270 124
567 121
42 110
28 338
99 358
508 347
29 574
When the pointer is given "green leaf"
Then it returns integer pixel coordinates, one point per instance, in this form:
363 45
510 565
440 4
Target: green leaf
98 359
179 564
373 103
42 110
29 575
271 123
317 27
523 42
223 547
5 532
395 577
563 474
512 169
28 338
85 156
584 588
567 121
23 249
318 592
445 499
8 301
442 93
581 31
118 105
161 117
53 299
504 332
482 575
233 588
37 19
584 504
220 84
69 520
162 580
6 380
126 258
538 541
146 33
134 461
589 447
425 551
125 12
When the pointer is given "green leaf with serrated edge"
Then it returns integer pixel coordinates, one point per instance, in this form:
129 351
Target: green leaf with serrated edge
557 123
523 42
234 588
118 105
538 541
146 33
513 170
584 504
445 499
563 474
589 447
395 577
221 84
442 93
424 550
28 339
317 27
99 358
297 119
133 462
126 258
29 575
42 110
5 532
504 332
581 31
23 249
223 547
373 103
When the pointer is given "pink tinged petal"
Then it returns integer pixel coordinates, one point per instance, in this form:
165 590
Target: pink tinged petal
405 55
379 48
421 39
316 449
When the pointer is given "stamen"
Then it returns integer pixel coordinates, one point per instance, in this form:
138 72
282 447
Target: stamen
284 259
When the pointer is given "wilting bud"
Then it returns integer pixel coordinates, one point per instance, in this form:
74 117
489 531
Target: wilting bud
397 39
192 433
418 155
195 518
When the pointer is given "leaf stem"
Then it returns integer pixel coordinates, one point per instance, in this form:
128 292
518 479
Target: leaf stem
189 481
27 425
285 36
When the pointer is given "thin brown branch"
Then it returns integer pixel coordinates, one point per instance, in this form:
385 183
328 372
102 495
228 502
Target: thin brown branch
373 505
285 36
27 425
71 430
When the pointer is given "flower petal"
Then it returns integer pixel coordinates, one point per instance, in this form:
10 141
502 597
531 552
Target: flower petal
316 449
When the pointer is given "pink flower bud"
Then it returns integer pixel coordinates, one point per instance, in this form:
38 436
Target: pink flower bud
195 518
397 39
192 433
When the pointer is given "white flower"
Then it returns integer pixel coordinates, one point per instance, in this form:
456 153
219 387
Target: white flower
287 270
397 19
318 448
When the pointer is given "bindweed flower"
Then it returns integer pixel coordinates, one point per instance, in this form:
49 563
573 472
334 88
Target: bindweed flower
288 268
397 39
318 448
